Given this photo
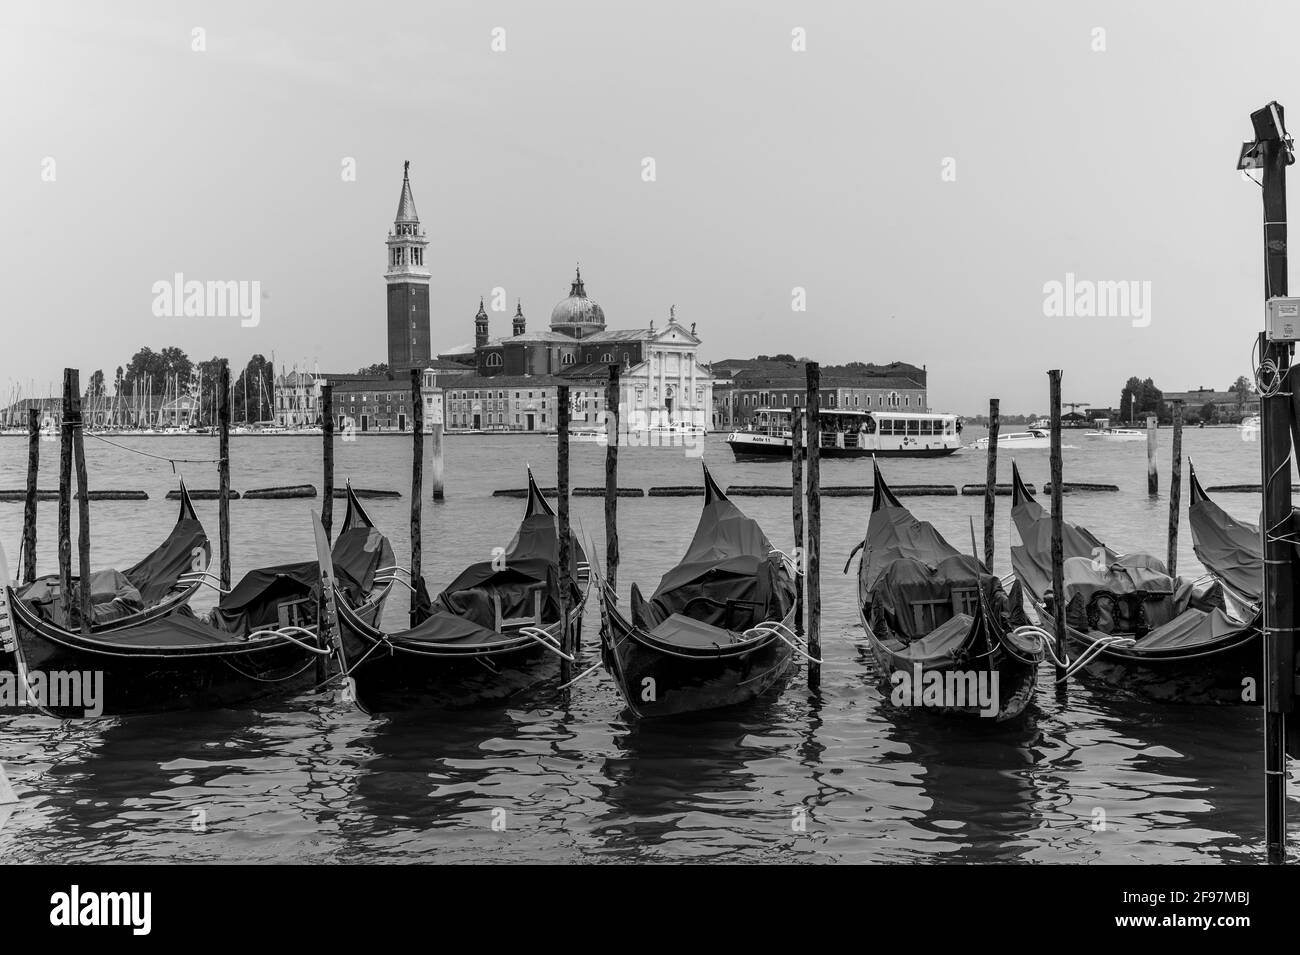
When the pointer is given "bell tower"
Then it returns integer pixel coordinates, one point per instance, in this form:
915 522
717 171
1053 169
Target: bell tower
408 286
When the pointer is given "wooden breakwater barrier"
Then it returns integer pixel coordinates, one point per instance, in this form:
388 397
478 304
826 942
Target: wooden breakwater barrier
840 490
201 494
574 492
367 493
100 495
1001 490
21 496
280 493
677 490
1070 487
1240 489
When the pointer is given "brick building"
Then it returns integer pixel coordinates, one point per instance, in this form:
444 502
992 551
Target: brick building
742 386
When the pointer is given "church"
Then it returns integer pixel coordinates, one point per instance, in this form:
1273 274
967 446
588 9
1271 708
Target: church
663 382
510 382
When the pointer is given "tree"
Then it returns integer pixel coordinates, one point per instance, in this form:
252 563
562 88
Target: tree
117 381
257 381
1141 398
209 379
95 387
1243 390
1209 412
377 369
153 370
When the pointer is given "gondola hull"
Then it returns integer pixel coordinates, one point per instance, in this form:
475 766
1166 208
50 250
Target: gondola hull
1223 667
1016 682
392 675
136 679
657 681
1226 674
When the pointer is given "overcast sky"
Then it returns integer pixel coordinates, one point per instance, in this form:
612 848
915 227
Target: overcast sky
775 169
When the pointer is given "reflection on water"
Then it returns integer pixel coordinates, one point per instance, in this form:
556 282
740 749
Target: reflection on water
839 775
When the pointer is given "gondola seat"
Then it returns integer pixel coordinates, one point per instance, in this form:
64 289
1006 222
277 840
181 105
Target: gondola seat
910 599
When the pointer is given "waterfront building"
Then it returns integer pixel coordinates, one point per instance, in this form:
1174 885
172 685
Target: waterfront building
742 386
1228 405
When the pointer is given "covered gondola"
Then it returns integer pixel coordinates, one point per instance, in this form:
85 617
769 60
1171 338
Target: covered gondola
259 641
492 632
1231 550
717 631
159 584
940 626
1132 625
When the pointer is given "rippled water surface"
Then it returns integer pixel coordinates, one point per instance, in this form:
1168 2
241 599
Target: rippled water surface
833 776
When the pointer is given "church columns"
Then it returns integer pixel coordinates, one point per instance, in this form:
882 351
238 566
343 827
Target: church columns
694 400
663 388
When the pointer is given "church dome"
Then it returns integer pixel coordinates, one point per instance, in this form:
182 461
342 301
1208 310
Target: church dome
577 309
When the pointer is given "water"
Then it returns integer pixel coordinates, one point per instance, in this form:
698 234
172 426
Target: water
839 776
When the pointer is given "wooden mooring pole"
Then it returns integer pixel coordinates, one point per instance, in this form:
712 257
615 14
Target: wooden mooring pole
1272 151
437 468
223 470
1058 530
1153 479
612 394
796 498
991 484
65 495
1175 488
567 643
83 505
29 506
812 586
417 490
327 455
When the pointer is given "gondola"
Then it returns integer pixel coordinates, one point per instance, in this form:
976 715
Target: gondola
259 641
1231 550
158 585
492 632
717 631
1130 624
940 626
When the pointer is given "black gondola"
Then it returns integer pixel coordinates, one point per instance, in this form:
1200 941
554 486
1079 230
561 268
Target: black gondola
258 641
938 623
1130 624
493 632
159 584
717 632
1231 550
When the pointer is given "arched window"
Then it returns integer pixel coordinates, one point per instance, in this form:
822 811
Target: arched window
493 360
607 357
567 359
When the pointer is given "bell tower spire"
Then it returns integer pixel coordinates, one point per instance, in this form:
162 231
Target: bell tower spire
408 285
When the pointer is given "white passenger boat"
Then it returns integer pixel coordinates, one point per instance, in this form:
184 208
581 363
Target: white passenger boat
1033 438
851 434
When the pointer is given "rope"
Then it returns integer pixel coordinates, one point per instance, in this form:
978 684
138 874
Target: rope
584 673
544 638
159 457
774 628
285 633
258 679
1097 647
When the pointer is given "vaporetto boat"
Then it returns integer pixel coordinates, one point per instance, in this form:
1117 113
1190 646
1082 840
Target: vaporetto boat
1033 438
851 434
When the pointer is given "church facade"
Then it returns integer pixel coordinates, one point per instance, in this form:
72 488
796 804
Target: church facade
663 383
